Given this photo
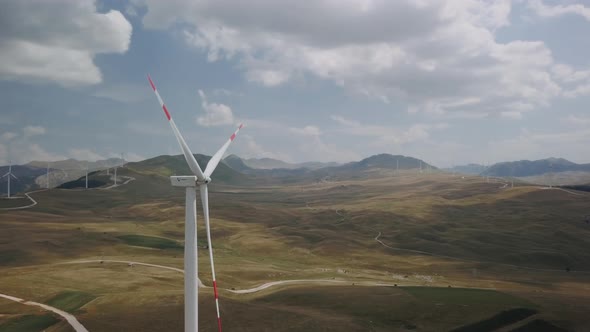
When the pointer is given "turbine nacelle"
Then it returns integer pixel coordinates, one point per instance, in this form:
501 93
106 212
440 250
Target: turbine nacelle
188 181
183 181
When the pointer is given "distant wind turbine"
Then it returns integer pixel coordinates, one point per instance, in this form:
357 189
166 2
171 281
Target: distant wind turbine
200 179
86 170
47 175
8 176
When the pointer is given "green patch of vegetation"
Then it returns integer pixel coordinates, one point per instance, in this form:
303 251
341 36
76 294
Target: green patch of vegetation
150 241
70 300
497 321
10 256
29 323
464 296
94 181
539 325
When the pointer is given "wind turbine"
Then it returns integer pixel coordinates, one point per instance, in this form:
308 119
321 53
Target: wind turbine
86 169
200 179
8 175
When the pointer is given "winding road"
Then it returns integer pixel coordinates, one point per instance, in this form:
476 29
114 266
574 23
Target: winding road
239 291
201 285
33 202
68 317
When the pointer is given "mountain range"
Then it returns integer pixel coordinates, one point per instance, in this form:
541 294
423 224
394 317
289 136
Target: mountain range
524 168
236 170
270 163
33 175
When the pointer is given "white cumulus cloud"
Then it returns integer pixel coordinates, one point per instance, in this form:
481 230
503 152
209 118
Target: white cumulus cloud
57 41
215 114
84 154
29 131
543 10
7 136
437 56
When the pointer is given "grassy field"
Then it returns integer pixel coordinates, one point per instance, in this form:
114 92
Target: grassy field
520 247
149 242
70 301
29 323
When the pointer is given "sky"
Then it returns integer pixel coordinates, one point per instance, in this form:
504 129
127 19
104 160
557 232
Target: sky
450 82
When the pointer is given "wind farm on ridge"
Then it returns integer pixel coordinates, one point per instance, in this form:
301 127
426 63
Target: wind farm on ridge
330 166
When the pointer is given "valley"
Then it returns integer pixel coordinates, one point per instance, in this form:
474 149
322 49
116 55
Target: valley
386 251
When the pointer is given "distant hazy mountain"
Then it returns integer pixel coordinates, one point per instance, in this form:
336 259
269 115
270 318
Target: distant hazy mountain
34 174
176 165
524 168
238 163
567 178
267 163
385 161
73 164
472 169
63 171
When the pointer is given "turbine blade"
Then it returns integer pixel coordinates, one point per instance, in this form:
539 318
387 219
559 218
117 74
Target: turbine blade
14 176
205 201
188 155
5 174
219 154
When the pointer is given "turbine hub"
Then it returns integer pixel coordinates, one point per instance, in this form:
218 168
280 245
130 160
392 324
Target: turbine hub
206 181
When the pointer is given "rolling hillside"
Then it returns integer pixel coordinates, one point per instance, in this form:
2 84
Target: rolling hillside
270 163
524 168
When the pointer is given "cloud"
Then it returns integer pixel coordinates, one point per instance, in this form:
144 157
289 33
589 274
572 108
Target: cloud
539 8
252 149
387 135
515 115
306 131
124 93
311 144
580 90
565 73
7 136
56 41
226 92
575 82
133 157
215 114
29 131
437 56
84 154
577 120
536 144
21 152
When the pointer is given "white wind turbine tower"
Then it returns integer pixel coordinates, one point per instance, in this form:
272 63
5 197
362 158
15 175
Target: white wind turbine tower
200 179
86 174
47 175
8 176
117 166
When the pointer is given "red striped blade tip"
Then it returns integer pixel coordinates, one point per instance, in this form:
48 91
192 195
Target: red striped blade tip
151 82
